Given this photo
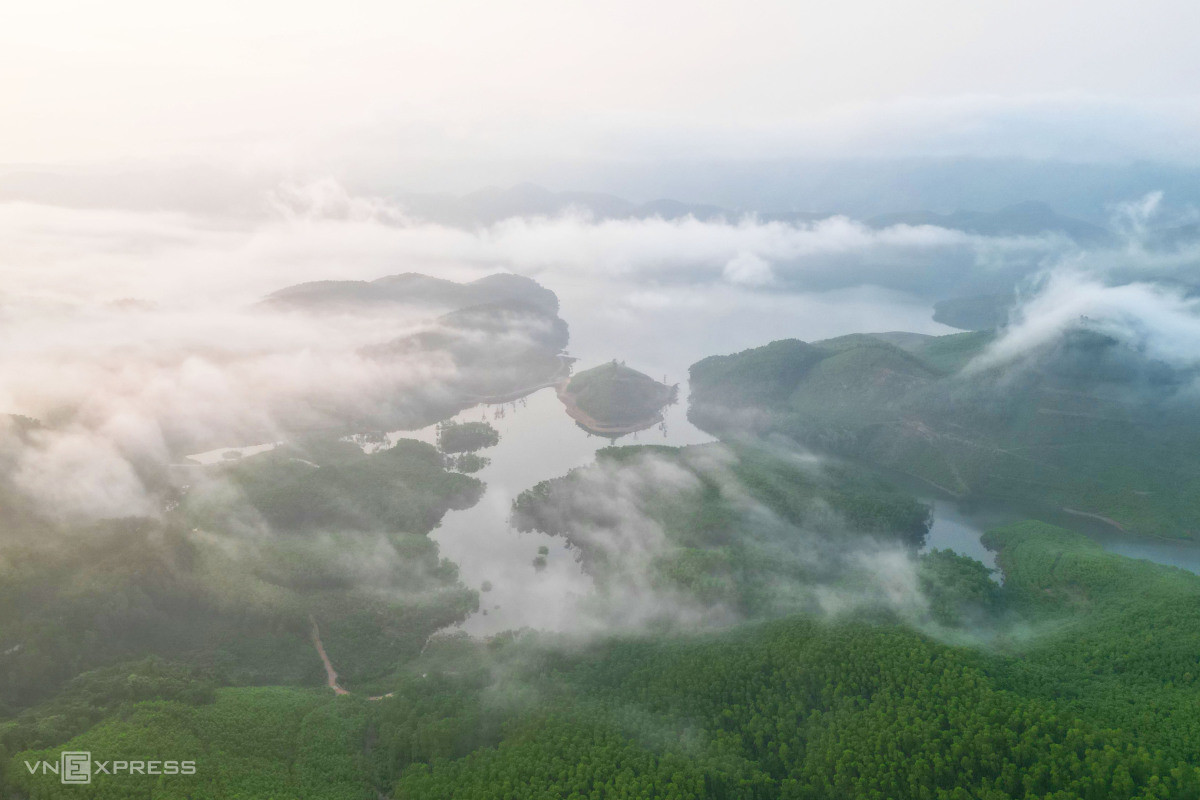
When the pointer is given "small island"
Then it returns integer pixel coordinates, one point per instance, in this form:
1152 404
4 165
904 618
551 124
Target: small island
613 399
466 437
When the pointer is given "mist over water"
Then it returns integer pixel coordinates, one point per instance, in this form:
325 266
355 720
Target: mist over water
662 334
538 441
656 294
663 330
659 333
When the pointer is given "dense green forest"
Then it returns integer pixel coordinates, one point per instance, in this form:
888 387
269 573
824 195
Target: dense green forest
742 527
1087 424
1071 694
1074 678
229 578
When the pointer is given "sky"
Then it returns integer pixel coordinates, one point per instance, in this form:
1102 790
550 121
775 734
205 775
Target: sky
329 86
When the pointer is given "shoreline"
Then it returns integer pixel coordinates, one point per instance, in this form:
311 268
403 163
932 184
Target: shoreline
562 374
1098 517
591 425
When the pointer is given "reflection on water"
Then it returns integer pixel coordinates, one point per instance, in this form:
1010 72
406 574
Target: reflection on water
953 530
959 529
667 331
538 441
1177 554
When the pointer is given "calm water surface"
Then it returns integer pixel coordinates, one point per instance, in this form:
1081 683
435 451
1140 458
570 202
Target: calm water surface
538 441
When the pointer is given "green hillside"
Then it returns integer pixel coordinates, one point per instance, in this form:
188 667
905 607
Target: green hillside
742 528
228 580
1087 425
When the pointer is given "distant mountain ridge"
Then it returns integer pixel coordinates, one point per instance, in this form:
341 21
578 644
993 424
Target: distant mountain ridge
1020 219
493 204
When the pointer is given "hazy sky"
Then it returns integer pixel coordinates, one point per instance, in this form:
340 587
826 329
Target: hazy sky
319 82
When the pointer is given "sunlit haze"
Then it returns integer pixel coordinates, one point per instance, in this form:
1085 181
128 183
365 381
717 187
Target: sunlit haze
329 85
608 401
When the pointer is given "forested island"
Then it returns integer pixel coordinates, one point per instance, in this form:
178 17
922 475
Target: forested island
466 437
613 399
412 289
494 339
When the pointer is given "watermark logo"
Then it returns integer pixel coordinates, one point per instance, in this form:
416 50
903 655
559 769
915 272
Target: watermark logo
75 767
78 767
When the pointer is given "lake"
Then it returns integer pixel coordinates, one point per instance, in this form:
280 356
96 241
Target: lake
661 333
538 441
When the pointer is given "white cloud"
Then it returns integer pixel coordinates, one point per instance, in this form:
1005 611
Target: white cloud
189 361
748 269
1163 323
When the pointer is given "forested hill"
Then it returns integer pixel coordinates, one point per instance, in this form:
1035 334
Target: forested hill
230 579
613 394
1087 424
496 348
411 288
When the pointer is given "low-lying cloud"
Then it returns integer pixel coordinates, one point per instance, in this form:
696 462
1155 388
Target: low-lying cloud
629 520
134 334
1160 323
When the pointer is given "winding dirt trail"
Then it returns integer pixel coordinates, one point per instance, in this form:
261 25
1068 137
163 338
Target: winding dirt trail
331 676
